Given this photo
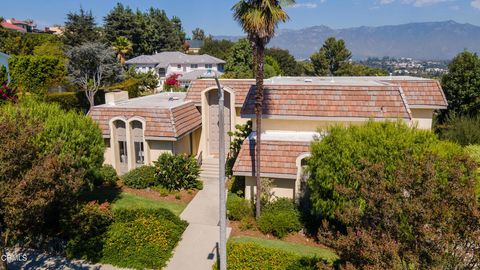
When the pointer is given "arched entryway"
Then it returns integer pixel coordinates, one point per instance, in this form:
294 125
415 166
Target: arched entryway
138 143
213 123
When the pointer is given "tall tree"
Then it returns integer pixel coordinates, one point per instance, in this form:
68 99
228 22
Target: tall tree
259 19
198 34
287 62
159 32
462 84
240 60
331 57
216 48
122 47
121 21
80 28
92 66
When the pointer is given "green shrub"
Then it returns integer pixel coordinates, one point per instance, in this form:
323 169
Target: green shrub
141 177
71 134
35 74
87 230
464 130
474 152
142 238
335 156
238 208
237 185
280 218
252 256
176 172
106 175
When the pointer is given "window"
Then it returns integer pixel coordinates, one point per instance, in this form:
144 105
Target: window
139 153
179 66
209 66
194 66
123 154
220 67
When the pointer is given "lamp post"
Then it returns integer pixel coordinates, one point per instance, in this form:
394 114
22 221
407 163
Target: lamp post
222 247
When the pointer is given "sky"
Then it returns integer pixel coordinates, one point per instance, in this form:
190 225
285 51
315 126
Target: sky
215 16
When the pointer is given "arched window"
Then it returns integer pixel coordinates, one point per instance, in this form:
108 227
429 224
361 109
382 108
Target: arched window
121 142
138 142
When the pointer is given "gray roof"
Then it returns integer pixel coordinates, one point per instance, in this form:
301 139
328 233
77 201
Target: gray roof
163 100
162 60
196 74
195 43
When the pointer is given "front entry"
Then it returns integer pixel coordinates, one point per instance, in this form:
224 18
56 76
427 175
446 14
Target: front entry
213 127
121 144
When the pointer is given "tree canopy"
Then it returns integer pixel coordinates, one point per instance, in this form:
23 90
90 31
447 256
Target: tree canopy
240 60
462 84
332 56
287 62
198 34
80 28
216 48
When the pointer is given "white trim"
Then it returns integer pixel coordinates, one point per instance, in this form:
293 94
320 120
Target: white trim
433 107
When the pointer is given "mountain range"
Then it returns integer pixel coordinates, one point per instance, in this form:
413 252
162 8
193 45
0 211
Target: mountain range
424 41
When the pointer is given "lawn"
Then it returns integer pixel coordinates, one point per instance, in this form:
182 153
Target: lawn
130 201
125 200
303 250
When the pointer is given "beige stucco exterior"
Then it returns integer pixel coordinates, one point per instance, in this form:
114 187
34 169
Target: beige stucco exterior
284 188
422 118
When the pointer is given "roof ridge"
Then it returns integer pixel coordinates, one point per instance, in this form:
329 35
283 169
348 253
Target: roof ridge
405 102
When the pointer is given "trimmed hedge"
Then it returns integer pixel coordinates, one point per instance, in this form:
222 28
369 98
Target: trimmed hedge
252 256
106 175
142 177
142 238
280 218
238 208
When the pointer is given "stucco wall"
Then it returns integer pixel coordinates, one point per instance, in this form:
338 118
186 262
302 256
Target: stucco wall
422 118
182 146
109 153
157 148
283 188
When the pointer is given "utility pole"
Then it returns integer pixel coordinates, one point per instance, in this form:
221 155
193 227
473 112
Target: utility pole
223 208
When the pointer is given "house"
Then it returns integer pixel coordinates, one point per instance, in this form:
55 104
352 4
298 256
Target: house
24 25
5 24
164 64
295 111
194 46
4 63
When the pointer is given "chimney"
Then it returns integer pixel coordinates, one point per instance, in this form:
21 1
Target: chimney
114 97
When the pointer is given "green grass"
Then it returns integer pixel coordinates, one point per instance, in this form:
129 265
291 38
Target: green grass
303 250
130 201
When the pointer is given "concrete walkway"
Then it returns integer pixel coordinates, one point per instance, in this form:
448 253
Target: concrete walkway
197 249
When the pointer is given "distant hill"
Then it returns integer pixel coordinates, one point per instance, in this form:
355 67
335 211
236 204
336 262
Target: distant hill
429 40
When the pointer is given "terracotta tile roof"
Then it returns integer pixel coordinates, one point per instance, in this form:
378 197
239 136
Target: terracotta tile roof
278 158
422 92
10 26
349 101
240 87
160 122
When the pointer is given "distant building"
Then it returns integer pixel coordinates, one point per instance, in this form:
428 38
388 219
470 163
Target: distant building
4 62
194 46
55 30
27 26
10 26
190 67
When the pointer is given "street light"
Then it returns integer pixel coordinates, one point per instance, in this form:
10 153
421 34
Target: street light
222 249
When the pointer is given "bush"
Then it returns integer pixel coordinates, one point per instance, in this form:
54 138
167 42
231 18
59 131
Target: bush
72 134
238 208
141 177
35 74
75 100
280 218
176 172
106 175
142 238
87 231
373 184
463 130
252 256
474 152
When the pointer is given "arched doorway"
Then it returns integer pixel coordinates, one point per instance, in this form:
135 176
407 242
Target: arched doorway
213 125
120 142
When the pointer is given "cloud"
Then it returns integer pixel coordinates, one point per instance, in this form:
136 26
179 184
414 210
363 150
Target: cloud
476 4
305 5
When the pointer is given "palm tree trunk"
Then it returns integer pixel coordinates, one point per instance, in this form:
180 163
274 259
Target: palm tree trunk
260 55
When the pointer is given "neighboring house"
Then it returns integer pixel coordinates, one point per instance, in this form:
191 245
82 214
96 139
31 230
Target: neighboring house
26 26
194 46
167 63
295 111
4 62
55 30
10 26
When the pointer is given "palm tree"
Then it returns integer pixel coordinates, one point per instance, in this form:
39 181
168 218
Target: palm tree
259 19
122 46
